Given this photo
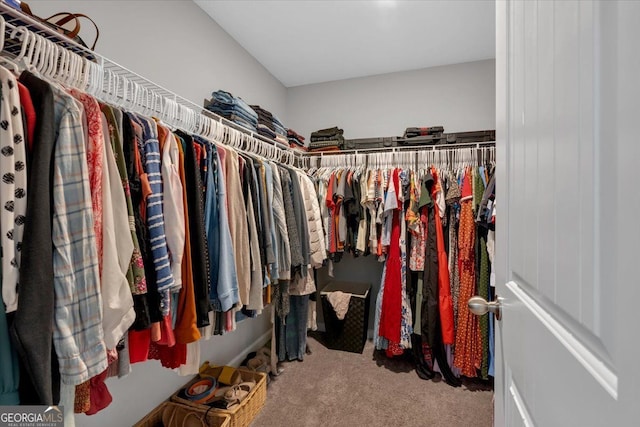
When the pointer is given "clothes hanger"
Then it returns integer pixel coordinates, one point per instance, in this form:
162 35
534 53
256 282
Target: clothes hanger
54 60
216 128
95 78
5 61
39 55
51 61
34 53
27 39
68 77
69 69
209 127
140 100
200 126
150 105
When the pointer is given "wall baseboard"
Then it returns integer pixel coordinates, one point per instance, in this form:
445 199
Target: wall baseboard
259 342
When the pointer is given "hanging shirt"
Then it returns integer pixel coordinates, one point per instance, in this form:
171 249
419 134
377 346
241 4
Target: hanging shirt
135 273
186 330
173 208
199 250
284 250
292 227
273 266
32 322
95 161
78 335
117 308
237 224
363 231
228 280
155 213
254 300
13 188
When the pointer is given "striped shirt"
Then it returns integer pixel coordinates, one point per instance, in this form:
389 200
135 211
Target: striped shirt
77 333
155 214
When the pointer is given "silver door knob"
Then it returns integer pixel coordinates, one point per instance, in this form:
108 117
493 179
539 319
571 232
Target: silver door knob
480 306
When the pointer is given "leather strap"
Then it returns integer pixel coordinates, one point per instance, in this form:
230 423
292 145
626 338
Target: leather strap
71 16
25 8
66 18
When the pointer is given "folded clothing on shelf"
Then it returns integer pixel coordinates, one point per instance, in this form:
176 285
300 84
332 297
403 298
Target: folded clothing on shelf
412 132
324 149
265 131
296 141
271 122
327 134
233 108
297 147
328 139
293 134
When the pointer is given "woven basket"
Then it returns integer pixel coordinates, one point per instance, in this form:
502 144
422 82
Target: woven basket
242 414
154 418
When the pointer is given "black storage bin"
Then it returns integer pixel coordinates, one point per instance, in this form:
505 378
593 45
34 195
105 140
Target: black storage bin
365 143
349 334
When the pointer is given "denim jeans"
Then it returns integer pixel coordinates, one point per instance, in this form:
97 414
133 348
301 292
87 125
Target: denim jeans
226 100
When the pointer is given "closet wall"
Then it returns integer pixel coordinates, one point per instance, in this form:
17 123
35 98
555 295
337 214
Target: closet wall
176 45
460 97
197 58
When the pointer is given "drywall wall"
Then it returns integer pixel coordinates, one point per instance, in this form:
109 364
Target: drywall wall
176 45
460 97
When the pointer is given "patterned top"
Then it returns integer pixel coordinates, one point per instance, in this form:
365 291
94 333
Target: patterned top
77 333
135 273
95 162
155 215
13 189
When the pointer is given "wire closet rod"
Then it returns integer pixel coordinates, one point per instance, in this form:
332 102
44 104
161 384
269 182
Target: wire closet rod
159 96
405 148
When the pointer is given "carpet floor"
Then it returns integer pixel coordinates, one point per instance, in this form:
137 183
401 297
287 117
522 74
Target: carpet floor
335 388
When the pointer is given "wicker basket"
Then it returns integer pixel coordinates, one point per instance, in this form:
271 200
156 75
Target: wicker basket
154 418
242 414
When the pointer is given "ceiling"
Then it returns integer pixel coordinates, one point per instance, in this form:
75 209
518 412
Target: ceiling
304 42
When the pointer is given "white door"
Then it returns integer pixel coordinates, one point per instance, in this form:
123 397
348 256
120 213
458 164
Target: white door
568 213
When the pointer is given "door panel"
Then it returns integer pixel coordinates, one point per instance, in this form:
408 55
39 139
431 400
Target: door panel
517 413
564 344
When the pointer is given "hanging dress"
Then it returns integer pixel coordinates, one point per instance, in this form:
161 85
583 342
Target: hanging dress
391 314
468 351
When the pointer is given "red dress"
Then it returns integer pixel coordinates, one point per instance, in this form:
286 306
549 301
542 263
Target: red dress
391 313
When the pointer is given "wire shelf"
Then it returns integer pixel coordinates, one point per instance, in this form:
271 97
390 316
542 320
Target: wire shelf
118 82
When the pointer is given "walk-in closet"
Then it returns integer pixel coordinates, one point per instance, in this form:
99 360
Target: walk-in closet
318 213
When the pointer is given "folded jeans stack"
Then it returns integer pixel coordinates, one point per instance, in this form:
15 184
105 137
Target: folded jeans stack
330 139
233 108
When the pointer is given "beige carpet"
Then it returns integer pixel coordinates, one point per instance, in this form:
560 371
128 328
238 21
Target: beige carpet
335 388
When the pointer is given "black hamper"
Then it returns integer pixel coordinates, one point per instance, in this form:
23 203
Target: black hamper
349 334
